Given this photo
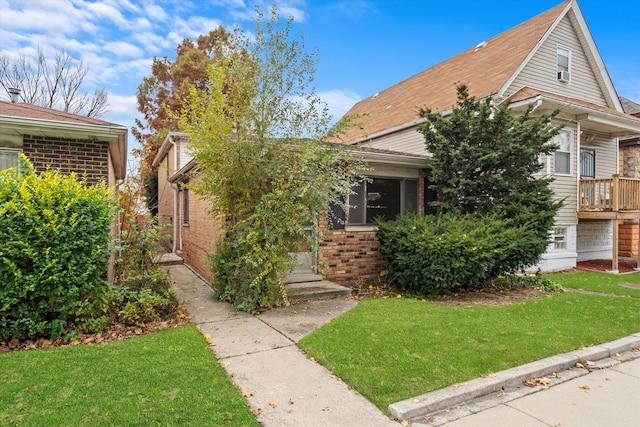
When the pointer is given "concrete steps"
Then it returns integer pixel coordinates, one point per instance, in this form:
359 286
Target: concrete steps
168 258
311 287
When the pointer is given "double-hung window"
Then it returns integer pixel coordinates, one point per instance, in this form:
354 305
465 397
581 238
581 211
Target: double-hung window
564 64
562 156
382 198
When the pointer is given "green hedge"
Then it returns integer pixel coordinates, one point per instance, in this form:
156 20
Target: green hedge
436 254
54 251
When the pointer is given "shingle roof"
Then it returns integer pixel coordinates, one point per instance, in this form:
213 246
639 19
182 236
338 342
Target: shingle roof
30 111
629 106
484 69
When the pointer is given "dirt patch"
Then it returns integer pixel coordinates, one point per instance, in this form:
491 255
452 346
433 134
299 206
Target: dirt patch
624 265
491 296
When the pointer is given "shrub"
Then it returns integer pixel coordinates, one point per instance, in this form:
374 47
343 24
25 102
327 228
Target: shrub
54 250
440 253
141 294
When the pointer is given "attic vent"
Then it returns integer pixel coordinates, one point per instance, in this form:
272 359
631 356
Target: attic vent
375 95
480 46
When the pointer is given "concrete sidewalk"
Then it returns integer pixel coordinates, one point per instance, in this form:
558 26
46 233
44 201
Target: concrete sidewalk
282 386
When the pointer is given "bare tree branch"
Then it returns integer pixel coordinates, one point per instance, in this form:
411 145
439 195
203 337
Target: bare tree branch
57 85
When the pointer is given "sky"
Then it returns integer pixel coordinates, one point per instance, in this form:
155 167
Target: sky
364 46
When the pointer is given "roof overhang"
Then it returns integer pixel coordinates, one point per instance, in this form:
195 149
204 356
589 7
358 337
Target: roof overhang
593 118
114 135
169 140
395 159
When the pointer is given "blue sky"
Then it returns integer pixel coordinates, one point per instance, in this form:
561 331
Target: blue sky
364 46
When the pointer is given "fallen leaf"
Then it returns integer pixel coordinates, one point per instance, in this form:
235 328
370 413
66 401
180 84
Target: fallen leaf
554 375
207 336
274 403
303 325
618 355
405 423
290 402
579 365
585 387
416 400
247 393
226 364
588 363
258 411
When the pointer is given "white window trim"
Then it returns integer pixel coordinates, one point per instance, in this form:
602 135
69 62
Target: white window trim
571 148
564 238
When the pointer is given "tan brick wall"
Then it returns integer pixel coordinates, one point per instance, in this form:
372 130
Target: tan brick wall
69 155
628 239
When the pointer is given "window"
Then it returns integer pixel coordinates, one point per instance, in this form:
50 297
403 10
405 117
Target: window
562 156
382 197
185 206
587 163
8 158
564 64
560 237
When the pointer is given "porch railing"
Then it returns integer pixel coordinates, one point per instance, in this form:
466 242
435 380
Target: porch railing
611 194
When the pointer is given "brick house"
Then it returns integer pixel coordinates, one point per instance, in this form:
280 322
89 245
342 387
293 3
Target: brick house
64 141
68 142
549 62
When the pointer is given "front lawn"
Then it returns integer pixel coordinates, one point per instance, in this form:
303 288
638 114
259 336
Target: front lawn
393 349
165 378
598 282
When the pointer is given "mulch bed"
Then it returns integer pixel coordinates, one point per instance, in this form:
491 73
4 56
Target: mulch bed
112 332
624 265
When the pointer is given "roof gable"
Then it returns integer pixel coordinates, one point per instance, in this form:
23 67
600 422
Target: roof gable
485 68
497 67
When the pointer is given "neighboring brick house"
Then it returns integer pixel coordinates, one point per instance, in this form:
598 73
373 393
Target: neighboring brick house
549 62
630 168
64 141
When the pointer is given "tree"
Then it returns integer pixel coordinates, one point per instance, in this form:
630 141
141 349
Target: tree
258 131
161 95
484 161
57 85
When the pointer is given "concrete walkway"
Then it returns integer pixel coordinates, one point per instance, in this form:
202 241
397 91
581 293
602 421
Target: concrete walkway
285 388
282 386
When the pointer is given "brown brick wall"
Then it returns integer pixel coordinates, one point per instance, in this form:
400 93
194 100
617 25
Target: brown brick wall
628 239
350 257
199 236
69 155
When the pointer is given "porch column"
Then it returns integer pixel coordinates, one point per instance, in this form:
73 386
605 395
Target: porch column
614 258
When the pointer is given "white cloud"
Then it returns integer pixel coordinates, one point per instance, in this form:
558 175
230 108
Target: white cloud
155 13
356 9
123 49
339 102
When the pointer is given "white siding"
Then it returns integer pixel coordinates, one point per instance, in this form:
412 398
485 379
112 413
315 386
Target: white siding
606 152
541 70
406 141
566 186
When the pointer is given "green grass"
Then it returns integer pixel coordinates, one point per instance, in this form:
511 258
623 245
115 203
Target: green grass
393 349
598 282
166 378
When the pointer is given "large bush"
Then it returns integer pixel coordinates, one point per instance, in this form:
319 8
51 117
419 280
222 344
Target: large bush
441 253
54 250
